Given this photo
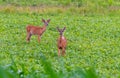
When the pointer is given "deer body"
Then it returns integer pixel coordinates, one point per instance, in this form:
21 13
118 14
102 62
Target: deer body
62 42
36 30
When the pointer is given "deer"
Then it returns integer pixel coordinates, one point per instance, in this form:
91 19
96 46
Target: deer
36 30
61 42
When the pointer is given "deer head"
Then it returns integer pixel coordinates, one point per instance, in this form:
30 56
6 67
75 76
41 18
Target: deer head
46 22
61 30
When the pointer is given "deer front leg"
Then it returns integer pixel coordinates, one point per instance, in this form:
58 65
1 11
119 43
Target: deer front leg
28 37
58 52
63 51
39 38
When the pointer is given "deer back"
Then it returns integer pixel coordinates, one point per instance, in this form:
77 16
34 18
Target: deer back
35 30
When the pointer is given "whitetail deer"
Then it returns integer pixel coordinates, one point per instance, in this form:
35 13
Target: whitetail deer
62 42
36 30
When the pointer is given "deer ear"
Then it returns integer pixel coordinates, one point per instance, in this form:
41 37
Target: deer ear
43 20
48 20
64 28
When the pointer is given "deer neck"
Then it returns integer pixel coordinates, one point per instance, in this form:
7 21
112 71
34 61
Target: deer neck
61 37
43 28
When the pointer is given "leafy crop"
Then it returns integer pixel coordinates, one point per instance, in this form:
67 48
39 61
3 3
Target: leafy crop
92 41
92 49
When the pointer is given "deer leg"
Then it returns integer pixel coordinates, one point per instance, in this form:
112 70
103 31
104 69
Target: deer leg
58 52
63 51
38 38
28 37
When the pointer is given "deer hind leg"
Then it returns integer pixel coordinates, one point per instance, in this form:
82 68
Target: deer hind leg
38 38
28 37
63 51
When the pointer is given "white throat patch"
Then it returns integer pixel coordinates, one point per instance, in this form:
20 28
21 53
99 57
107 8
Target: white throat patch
63 37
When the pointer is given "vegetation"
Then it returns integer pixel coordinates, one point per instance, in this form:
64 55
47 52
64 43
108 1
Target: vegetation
92 31
83 7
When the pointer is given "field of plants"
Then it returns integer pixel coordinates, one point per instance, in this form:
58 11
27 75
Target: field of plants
93 49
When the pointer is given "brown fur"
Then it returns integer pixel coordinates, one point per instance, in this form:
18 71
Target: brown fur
36 30
62 42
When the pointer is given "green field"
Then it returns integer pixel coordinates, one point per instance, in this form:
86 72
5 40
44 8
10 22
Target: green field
93 42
